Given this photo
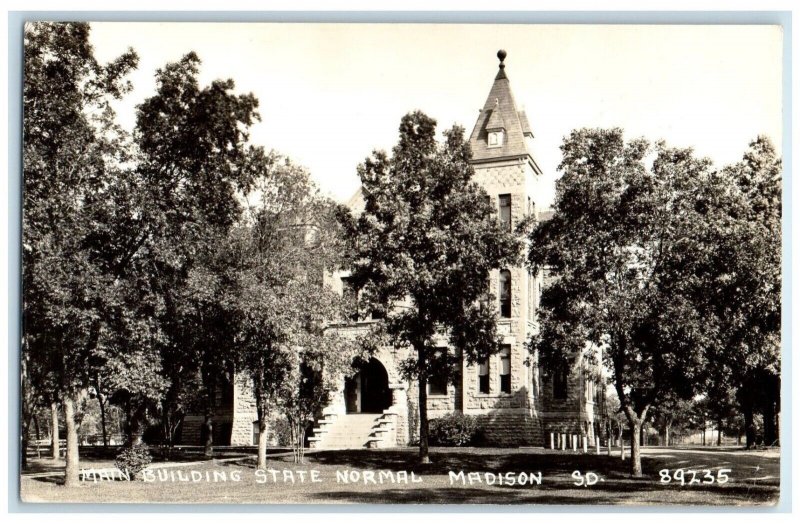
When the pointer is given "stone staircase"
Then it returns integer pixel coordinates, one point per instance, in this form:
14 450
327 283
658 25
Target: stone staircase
354 431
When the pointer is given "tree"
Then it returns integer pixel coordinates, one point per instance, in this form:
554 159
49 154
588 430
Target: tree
670 414
616 246
277 302
70 148
741 282
162 231
428 234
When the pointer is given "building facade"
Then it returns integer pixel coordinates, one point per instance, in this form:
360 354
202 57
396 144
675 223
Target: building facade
517 402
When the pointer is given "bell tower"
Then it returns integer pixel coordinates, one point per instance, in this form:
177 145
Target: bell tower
506 169
507 386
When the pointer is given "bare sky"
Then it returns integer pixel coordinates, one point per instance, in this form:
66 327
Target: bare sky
331 93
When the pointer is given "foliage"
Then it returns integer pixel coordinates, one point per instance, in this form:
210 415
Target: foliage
133 459
72 150
672 270
453 429
617 245
276 302
741 286
281 432
428 235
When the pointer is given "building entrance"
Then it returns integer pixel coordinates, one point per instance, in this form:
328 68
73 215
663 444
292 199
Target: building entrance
368 391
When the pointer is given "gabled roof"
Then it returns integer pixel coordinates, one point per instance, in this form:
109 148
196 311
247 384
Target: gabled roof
495 120
500 107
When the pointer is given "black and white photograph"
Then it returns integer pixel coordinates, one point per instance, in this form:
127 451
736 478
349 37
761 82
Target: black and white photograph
401 263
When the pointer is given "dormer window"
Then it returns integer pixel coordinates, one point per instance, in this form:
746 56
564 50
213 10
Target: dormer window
496 138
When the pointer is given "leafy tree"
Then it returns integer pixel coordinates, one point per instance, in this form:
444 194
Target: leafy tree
70 149
320 358
160 237
670 414
428 234
741 283
278 303
616 246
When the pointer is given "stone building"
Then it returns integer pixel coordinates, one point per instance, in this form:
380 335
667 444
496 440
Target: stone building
516 401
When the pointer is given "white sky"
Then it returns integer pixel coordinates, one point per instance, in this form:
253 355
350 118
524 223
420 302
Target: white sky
331 93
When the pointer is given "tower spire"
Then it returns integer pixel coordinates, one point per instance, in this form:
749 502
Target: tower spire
501 74
501 130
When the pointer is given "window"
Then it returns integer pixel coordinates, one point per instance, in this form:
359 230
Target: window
350 295
437 385
489 205
505 211
495 139
505 368
560 384
437 380
483 376
505 293
531 305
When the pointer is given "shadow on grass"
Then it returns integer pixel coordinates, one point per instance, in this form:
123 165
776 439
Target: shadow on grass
554 495
496 460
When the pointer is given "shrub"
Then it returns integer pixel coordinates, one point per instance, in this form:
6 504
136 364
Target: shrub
454 429
281 432
133 460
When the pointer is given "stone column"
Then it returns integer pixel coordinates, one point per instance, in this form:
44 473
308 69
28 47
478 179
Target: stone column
244 411
400 408
338 404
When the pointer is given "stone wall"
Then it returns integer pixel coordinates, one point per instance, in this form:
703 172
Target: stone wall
573 414
222 419
245 415
510 428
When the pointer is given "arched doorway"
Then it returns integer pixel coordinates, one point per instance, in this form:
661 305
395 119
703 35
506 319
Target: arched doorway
368 390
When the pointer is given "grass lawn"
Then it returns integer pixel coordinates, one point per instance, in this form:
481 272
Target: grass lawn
753 478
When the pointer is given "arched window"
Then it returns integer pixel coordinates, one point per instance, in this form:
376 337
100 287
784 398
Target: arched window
560 384
505 293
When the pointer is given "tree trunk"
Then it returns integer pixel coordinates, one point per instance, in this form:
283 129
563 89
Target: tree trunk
704 432
769 421
24 437
302 443
71 469
635 422
667 433
262 444
424 456
636 458
137 418
749 426
208 436
719 432
54 436
102 411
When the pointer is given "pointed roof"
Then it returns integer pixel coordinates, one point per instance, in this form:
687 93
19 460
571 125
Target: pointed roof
495 120
500 108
